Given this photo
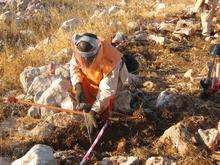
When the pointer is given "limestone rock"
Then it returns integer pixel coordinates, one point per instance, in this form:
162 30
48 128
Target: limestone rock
71 24
159 161
176 137
119 37
158 39
113 10
160 6
188 74
124 2
185 27
148 85
210 137
54 96
27 76
166 26
99 13
168 99
122 160
38 154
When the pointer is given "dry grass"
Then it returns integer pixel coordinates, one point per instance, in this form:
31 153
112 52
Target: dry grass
164 63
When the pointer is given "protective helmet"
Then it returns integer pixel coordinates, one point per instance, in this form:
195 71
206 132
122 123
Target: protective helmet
87 44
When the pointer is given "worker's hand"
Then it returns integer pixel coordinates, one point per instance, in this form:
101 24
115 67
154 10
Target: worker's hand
91 119
79 93
84 106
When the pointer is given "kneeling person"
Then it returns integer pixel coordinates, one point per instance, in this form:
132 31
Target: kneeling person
97 73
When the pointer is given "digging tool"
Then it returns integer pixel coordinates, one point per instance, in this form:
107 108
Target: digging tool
211 84
87 155
76 111
48 107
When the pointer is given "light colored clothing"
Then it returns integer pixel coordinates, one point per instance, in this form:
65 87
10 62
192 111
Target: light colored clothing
208 10
110 86
102 78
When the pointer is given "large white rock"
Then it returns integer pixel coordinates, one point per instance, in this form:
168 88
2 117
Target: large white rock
71 24
122 160
39 85
159 161
210 137
54 96
28 75
38 155
178 138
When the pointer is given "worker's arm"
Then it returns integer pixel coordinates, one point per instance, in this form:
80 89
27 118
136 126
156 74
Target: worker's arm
108 87
75 73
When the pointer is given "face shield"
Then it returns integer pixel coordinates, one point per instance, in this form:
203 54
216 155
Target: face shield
86 56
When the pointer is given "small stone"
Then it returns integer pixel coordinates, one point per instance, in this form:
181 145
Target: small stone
159 161
38 154
113 10
148 85
210 137
124 2
122 160
71 24
158 39
119 37
166 27
160 6
188 74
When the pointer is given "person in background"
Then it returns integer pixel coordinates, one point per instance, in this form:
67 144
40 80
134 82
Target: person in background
208 9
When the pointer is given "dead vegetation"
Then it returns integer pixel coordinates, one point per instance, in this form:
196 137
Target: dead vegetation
163 65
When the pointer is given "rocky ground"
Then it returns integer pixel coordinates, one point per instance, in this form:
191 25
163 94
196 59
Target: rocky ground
172 55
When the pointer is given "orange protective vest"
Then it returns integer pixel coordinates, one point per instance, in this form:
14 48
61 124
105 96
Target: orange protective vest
105 61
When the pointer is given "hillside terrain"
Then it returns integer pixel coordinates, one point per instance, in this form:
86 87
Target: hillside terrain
163 37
